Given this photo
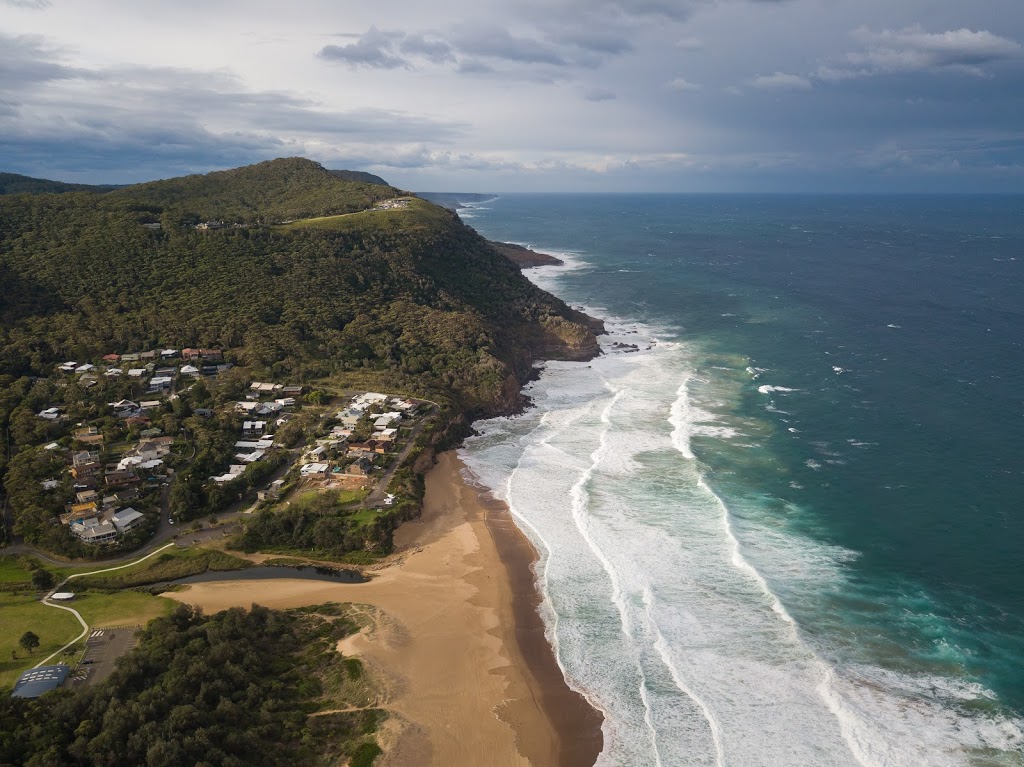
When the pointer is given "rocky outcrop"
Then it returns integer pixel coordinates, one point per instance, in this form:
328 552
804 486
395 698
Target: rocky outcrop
524 258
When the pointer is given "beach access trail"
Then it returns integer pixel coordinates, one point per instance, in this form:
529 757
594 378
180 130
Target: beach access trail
81 620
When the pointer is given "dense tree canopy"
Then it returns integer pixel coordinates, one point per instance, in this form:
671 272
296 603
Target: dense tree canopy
233 689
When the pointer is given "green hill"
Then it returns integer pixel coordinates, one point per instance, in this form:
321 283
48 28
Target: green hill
271 191
407 298
13 183
360 176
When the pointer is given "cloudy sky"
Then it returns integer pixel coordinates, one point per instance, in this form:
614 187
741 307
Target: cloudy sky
523 95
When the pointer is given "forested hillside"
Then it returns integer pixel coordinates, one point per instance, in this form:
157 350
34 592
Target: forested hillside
305 281
236 688
13 183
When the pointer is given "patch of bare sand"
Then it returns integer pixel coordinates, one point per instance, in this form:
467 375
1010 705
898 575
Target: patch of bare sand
454 634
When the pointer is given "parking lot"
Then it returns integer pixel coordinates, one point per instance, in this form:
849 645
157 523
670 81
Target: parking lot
102 648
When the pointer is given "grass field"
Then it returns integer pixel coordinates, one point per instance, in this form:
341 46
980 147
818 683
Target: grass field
123 608
55 628
365 516
11 572
418 212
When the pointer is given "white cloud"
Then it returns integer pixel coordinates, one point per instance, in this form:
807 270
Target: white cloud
780 81
682 84
915 50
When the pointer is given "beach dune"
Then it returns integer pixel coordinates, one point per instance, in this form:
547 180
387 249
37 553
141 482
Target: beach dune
454 638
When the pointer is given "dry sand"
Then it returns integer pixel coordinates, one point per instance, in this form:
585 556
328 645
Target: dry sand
455 637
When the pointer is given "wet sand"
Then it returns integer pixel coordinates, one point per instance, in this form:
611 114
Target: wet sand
455 639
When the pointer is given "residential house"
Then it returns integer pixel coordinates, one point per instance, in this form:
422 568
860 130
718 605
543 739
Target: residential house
234 472
114 372
190 370
115 358
119 478
314 470
84 368
159 384
87 496
147 356
92 530
125 408
134 357
251 428
291 391
50 414
68 367
136 372
126 519
168 354
285 402
203 412
151 404
360 468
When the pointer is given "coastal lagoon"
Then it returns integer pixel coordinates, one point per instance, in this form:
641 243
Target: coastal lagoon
780 518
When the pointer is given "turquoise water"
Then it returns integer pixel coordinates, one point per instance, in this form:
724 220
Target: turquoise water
788 528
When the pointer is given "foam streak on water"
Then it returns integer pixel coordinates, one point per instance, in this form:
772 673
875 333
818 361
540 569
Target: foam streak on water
661 604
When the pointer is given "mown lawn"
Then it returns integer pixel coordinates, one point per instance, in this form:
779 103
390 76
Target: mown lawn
122 608
55 628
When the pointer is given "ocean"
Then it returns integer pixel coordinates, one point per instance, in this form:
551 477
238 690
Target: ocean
781 518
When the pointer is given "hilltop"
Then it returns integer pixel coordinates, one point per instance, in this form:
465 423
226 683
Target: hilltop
286 273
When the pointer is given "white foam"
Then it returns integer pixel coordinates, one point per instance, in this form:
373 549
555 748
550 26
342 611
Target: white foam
766 389
668 611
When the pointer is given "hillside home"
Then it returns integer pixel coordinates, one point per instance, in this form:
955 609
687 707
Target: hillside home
158 384
50 414
314 470
92 530
126 519
234 472
112 357
252 428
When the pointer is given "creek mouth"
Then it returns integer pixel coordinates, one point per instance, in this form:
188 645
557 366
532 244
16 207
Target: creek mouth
267 572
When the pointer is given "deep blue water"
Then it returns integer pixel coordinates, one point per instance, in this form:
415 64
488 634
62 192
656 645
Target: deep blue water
863 359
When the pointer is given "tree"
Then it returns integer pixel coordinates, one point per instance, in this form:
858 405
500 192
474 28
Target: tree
29 641
42 579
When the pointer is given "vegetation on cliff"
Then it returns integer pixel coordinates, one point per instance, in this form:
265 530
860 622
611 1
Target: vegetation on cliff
305 282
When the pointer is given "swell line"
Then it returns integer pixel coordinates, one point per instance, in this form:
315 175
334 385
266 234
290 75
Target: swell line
661 646
579 496
826 690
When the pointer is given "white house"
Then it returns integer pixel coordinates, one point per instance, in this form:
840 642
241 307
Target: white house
50 414
125 519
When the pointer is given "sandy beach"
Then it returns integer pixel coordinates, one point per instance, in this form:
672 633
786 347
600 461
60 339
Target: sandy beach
454 637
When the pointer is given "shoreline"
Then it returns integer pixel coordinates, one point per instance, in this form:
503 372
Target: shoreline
576 722
453 636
